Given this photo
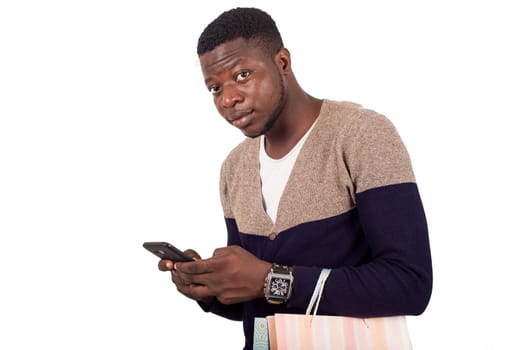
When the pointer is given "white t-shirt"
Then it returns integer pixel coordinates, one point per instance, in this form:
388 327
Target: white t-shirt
274 174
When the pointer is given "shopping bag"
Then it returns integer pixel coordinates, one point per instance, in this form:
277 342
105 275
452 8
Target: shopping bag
313 332
261 334
308 332
264 334
271 328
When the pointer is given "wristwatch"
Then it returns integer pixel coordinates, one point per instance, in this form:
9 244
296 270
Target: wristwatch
279 281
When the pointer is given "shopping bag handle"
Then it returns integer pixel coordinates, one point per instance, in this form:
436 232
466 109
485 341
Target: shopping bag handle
317 292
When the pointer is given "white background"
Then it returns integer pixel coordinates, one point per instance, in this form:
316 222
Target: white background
108 138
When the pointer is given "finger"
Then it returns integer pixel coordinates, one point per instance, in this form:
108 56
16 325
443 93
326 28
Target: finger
182 286
177 279
199 292
187 278
221 251
193 254
190 278
165 265
194 267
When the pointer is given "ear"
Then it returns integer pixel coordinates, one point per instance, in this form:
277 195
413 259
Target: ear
283 60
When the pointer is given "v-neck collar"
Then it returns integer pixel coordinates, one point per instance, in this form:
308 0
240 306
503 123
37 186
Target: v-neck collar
285 204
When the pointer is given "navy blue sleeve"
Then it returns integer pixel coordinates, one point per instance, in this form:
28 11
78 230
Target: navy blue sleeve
232 312
396 278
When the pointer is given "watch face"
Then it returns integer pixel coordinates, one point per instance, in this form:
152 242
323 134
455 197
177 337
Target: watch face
279 287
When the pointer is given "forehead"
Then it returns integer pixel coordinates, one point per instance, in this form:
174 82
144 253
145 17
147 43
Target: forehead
229 54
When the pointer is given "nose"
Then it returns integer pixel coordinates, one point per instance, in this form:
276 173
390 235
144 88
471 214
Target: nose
230 95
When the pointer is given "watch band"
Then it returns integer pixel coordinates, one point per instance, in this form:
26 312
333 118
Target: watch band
276 268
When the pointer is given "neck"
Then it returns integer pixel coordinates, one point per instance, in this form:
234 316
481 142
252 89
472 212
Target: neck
295 120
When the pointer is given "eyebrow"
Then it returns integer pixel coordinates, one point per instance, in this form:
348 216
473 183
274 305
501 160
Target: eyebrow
228 65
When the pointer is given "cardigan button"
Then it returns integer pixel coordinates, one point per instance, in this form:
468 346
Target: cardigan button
272 236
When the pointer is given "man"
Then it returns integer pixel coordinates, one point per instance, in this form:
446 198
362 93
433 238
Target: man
315 184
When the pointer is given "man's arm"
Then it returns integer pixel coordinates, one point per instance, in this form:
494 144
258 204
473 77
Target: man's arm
398 278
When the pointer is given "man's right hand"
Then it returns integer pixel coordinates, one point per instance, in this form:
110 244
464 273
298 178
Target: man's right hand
182 286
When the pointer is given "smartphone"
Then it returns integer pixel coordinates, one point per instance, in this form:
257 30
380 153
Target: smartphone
166 251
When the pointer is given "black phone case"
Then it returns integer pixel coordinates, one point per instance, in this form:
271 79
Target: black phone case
166 251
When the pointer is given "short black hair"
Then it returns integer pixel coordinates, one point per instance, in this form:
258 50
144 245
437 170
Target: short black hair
251 24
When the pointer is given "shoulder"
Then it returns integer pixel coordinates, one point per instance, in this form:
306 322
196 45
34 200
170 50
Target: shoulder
350 124
370 145
349 115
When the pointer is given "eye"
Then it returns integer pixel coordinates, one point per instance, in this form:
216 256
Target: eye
214 89
243 75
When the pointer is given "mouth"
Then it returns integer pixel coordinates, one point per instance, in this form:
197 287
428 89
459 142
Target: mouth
240 119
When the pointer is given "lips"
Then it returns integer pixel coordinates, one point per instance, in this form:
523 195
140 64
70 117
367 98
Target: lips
240 119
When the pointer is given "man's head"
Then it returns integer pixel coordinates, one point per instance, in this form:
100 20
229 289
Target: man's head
246 69
251 24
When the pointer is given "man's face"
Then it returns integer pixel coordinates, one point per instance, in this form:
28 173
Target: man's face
247 86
